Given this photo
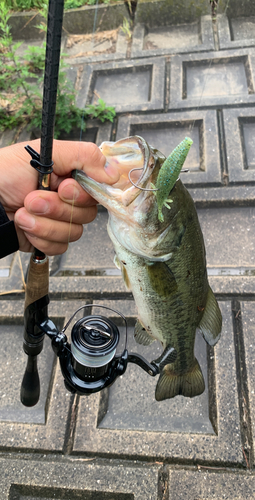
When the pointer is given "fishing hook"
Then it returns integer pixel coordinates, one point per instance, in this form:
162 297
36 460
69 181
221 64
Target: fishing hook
184 170
142 189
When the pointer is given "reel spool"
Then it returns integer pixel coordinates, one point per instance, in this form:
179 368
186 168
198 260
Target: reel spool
93 345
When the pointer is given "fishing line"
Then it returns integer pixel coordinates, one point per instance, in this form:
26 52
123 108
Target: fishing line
215 34
22 278
80 141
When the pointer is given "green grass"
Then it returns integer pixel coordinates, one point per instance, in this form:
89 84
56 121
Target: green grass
19 5
20 94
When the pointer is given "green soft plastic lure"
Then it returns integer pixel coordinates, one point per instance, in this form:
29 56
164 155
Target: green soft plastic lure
169 174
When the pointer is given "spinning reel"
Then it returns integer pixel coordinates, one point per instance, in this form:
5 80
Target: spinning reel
90 362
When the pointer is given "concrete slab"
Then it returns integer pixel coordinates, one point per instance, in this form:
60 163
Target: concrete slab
75 21
215 78
135 84
247 318
229 241
107 46
173 84
239 126
44 426
13 362
164 12
225 447
76 480
236 32
95 131
158 41
82 20
131 404
166 131
210 485
93 254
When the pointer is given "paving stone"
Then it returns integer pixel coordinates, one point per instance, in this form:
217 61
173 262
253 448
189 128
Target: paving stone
12 368
93 250
126 307
12 282
106 46
210 485
8 136
248 323
5 265
76 480
234 196
161 13
239 126
24 46
24 26
214 78
95 131
45 424
236 32
82 20
229 241
133 85
211 98
224 447
165 132
229 238
138 410
155 41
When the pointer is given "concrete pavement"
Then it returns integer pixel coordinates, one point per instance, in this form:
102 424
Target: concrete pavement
194 79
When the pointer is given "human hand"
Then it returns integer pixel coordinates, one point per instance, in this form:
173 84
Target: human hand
49 220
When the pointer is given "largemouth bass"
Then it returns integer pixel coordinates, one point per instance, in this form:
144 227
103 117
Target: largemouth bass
160 250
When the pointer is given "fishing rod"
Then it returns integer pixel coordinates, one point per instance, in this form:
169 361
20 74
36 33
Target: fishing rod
37 298
90 362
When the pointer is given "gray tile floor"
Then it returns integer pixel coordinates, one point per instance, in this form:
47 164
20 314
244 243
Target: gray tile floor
192 79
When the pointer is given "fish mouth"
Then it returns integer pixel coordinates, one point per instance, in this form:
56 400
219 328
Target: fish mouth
132 153
135 161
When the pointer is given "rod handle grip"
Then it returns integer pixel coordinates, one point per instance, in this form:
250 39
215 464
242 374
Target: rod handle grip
30 387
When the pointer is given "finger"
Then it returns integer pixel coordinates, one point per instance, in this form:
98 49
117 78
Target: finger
50 248
49 205
71 192
86 156
47 229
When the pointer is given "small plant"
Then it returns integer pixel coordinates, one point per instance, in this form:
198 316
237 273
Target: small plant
21 84
35 57
19 5
23 4
126 28
100 111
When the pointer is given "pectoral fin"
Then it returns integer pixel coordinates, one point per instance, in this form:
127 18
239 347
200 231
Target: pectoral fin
211 321
161 279
141 336
124 273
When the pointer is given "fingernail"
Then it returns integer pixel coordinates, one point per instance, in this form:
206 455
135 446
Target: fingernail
39 206
25 221
70 193
111 170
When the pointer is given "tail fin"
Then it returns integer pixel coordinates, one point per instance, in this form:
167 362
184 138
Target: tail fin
189 384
